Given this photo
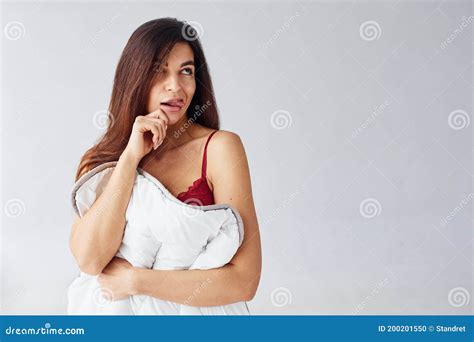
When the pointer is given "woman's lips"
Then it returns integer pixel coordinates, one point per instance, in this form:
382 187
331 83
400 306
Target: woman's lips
171 107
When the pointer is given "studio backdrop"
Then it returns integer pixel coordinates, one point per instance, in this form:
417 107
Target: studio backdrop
356 121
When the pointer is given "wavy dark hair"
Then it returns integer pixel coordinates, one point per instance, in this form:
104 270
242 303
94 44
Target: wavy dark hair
147 48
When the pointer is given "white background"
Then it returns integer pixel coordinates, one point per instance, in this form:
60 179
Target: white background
371 101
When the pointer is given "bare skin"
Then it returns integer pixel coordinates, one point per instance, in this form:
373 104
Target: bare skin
178 166
176 163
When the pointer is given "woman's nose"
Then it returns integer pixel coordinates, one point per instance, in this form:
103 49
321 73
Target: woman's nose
172 83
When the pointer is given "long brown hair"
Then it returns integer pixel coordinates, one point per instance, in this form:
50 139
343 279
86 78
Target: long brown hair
147 48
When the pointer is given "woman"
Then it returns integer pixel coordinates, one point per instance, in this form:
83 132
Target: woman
163 115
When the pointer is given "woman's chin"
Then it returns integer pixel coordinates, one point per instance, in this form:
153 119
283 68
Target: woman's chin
176 117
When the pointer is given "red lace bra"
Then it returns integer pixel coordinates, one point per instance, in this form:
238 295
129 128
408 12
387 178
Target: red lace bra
199 192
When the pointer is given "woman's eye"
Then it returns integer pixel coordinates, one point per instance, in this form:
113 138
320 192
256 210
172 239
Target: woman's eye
188 71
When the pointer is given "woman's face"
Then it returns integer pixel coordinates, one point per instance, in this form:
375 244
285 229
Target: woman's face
174 85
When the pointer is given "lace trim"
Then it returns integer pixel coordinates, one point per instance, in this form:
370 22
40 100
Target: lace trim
194 186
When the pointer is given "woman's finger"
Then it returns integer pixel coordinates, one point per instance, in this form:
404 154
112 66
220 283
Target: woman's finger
153 127
159 114
164 116
162 125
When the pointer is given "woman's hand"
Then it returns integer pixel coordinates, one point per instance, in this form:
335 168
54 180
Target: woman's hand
148 133
117 278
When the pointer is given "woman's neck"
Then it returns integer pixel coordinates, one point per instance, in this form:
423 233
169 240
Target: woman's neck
178 134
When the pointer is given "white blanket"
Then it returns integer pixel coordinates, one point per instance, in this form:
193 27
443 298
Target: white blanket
161 233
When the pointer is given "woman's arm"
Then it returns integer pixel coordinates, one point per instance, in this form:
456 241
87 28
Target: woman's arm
96 237
229 175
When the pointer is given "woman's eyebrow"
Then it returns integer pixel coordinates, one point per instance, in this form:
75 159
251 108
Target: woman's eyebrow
190 62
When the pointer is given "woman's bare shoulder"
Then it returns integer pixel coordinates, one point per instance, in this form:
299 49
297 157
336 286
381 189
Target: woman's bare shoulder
228 171
223 139
225 149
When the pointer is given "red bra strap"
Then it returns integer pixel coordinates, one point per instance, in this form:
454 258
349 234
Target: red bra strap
204 158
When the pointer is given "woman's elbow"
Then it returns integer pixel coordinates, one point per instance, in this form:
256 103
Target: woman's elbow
250 292
249 285
249 296
84 261
90 268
